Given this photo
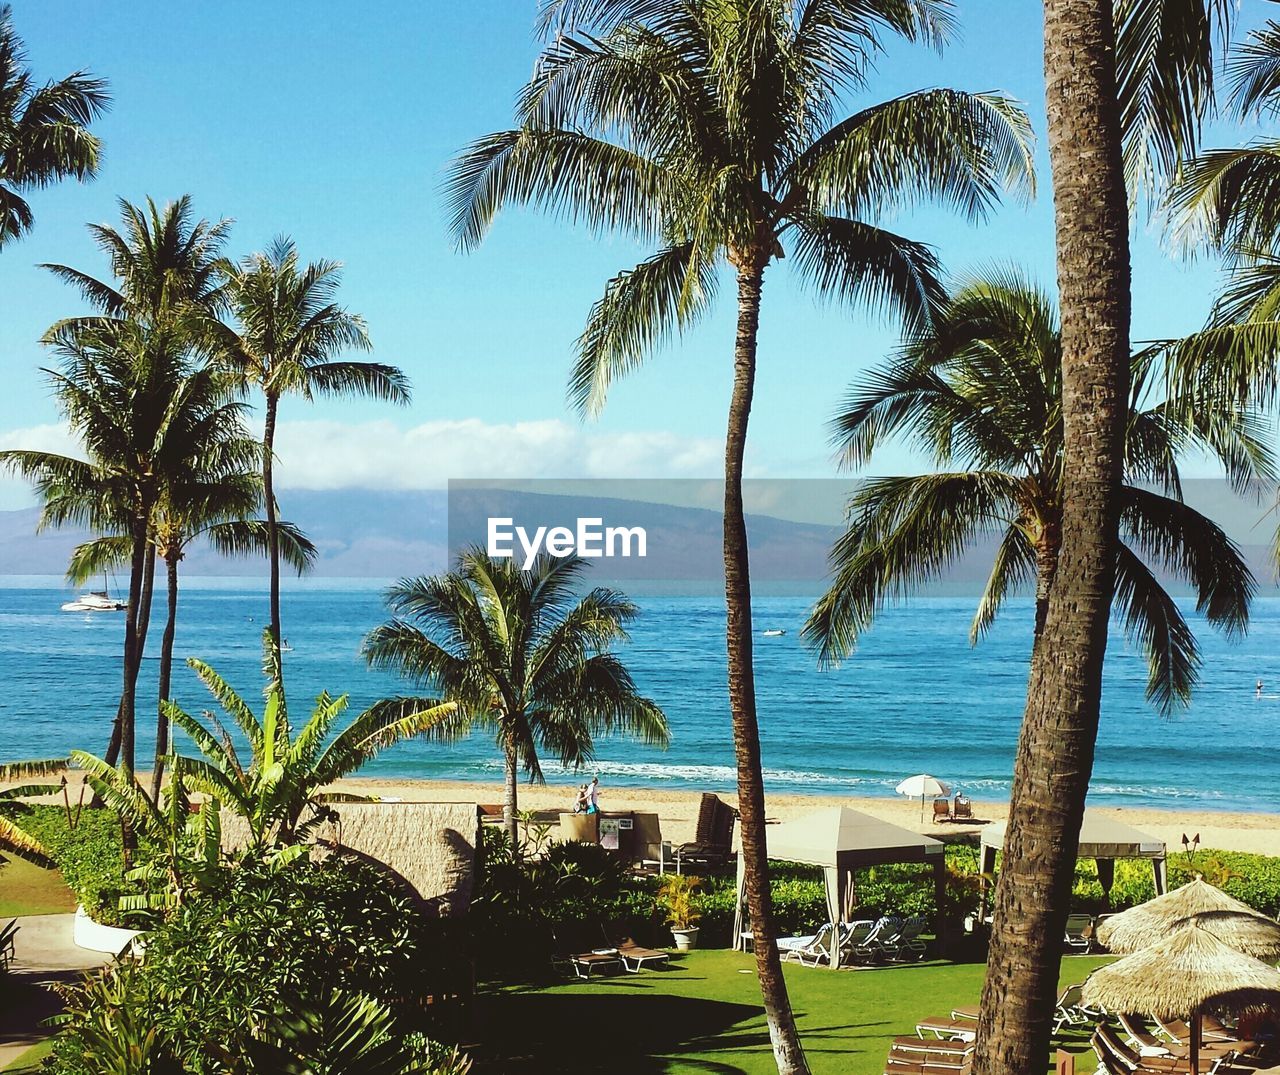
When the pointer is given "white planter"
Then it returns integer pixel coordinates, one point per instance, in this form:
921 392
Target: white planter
99 938
686 939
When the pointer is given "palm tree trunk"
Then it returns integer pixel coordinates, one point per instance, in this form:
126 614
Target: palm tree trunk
133 638
787 1051
144 618
273 533
509 802
1047 547
166 670
1059 730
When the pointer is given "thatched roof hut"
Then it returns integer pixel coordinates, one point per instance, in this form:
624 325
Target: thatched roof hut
1196 902
1189 970
430 847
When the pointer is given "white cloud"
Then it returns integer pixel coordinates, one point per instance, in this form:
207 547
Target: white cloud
382 455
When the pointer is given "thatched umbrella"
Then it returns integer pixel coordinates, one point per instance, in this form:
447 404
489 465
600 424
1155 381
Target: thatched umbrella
1179 977
1151 922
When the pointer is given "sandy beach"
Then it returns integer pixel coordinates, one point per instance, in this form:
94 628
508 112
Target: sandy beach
1259 833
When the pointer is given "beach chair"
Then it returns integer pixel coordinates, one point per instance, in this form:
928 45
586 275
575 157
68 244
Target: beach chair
817 950
572 953
8 952
853 935
712 842
941 810
872 946
1141 1038
634 956
1211 1030
946 1029
906 946
956 1049
962 808
1079 932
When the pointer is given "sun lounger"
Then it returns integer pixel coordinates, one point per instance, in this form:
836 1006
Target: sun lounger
1211 1030
1079 932
713 837
1069 1010
941 810
906 946
572 953
8 952
920 1046
854 935
947 1029
1118 1056
634 956
871 948
910 1056
817 950
961 808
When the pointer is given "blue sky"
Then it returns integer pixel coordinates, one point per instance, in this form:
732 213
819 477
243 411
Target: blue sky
333 123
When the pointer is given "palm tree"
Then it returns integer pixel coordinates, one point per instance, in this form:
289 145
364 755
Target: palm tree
165 267
980 389
1127 82
287 330
520 658
286 773
217 507
715 129
142 413
44 130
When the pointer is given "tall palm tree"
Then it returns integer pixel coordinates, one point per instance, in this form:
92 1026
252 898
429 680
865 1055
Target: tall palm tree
44 129
215 506
142 413
287 329
1126 84
715 129
165 268
520 657
980 389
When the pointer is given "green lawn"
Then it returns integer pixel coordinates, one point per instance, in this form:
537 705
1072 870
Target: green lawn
30 1060
27 889
704 1015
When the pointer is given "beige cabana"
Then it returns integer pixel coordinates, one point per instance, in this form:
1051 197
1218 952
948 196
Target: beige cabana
1102 840
841 840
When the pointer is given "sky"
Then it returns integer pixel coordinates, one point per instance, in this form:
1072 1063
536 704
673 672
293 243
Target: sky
334 122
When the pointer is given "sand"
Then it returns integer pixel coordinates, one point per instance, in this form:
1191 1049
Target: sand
1259 833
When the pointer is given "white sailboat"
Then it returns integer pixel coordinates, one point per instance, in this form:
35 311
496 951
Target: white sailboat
95 601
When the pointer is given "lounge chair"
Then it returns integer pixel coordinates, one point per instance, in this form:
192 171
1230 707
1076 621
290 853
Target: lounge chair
962 808
906 946
634 956
941 810
712 841
946 1029
572 953
1211 1030
871 947
956 1048
7 950
852 936
1079 932
1122 1057
817 949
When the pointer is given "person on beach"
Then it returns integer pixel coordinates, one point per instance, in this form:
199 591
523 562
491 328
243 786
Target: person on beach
593 792
583 801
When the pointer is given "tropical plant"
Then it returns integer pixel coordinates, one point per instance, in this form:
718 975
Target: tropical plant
519 658
287 773
676 901
1127 83
44 133
13 836
286 332
980 390
714 129
213 504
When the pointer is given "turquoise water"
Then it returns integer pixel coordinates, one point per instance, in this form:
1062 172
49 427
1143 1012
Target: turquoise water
915 698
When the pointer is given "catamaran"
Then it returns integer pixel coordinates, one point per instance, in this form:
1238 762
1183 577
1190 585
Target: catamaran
95 601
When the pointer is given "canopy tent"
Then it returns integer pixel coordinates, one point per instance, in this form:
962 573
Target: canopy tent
841 840
1102 840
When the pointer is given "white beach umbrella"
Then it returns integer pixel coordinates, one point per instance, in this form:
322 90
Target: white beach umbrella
925 786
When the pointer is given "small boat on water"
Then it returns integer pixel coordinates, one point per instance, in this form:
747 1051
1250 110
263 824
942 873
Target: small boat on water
775 633
95 601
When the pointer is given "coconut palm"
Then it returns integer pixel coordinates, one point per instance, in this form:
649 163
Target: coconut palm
44 129
522 657
285 773
716 130
13 837
218 508
142 413
287 331
980 389
1127 83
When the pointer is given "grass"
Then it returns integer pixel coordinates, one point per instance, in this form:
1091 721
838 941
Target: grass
704 1015
27 889
30 1060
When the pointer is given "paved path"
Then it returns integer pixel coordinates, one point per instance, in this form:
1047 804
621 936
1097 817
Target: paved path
45 953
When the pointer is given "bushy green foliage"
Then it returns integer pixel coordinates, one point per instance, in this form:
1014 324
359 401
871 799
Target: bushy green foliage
87 849
228 968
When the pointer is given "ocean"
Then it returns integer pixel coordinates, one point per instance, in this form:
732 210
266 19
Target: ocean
914 698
